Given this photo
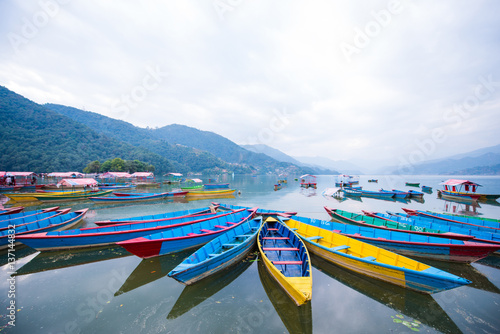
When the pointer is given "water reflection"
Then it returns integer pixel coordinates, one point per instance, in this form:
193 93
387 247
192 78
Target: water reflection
45 261
150 270
297 319
421 307
463 208
195 294
479 280
21 251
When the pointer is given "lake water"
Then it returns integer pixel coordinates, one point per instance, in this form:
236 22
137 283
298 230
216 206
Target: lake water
107 290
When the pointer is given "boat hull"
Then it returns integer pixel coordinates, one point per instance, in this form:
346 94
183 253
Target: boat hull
364 258
220 253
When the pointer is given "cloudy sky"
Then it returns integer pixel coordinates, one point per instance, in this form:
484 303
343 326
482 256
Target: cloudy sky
397 81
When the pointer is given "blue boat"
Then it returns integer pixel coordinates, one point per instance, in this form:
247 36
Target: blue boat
227 249
455 219
106 235
159 217
10 211
57 223
376 194
18 215
409 244
4 224
213 186
262 212
427 189
444 227
137 197
397 193
415 194
185 237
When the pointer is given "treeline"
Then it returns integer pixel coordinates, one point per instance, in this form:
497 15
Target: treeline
118 165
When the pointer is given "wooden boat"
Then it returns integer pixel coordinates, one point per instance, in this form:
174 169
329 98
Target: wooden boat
352 192
409 244
464 190
138 197
227 249
286 258
20 221
185 237
19 214
415 194
106 235
495 225
210 193
466 216
261 212
117 186
158 217
213 186
9 188
478 233
396 193
57 223
412 184
373 180
277 186
51 196
427 189
33 196
370 220
308 181
377 194
374 261
10 211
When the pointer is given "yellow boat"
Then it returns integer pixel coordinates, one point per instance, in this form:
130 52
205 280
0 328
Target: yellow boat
371 260
210 193
33 197
286 258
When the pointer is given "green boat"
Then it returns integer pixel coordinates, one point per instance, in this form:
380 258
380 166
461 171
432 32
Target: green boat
412 184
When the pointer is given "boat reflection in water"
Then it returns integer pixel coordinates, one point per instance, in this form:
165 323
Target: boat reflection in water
195 294
45 261
297 319
150 270
421 307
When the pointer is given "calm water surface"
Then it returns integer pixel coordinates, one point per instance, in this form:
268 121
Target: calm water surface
107 290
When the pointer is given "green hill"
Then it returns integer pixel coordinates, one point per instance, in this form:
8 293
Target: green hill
37 139
199 150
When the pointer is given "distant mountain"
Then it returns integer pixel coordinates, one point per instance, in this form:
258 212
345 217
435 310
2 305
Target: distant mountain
37 139
339 165
280 156
478 160
272 152
196 149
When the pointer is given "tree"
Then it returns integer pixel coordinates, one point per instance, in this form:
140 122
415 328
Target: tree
93 167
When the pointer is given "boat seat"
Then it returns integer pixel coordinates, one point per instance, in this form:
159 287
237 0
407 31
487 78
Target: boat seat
192 234
213 255
286 262
275 238
317 237
369 258
231 223
206 231
280 249
222 227
230 245
338 248
273 229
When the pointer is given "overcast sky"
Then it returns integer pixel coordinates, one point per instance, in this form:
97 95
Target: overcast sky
384 80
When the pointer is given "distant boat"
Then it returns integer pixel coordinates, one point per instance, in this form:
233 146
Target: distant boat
464 190
210 193
427 189
12 210
308 181
138 197
412 184
373 180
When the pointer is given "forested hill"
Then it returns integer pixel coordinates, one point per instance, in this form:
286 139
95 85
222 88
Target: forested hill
37 139
193 160
196 148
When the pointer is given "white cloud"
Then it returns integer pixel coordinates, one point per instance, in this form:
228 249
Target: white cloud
230 75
